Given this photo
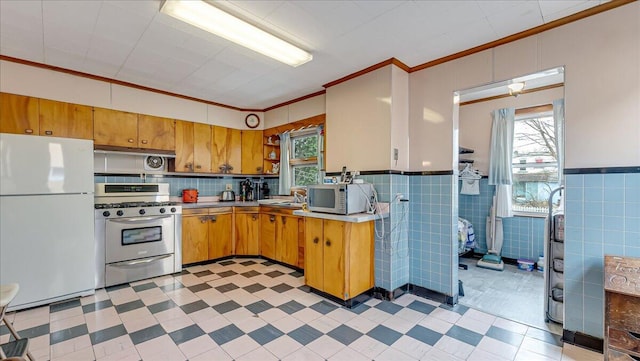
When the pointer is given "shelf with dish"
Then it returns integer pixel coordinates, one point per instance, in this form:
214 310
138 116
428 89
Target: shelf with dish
271 153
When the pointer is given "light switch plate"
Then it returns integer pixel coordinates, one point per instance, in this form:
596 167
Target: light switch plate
395 153
229 187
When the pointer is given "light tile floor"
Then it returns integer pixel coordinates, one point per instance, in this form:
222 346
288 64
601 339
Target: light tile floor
513 294
251 309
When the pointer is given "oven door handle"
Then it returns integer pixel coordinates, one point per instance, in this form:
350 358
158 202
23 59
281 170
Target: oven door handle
139 261
138 219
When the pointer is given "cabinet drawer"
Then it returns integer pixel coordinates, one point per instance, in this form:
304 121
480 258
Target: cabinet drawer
623 312
625 340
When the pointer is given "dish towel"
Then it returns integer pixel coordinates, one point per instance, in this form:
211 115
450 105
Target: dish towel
470 187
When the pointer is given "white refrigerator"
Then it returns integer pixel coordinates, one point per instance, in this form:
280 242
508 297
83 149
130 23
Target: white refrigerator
46 218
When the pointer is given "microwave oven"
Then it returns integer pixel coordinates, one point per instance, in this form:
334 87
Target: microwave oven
340 198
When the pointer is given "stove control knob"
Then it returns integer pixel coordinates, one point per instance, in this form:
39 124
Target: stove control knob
162 210
120 213
106 213
142 211
173 210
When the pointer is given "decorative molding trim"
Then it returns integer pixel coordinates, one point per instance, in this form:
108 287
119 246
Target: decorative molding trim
304 97
392 61
583 340
603 170
118 82
526 33
382 64
399 172
433 295
542 88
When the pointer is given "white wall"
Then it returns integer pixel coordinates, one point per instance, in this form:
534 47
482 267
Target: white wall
359 122
399 118
48 84
431 124
303 109
602 86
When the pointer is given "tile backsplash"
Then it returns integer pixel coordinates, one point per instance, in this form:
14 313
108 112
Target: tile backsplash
209 186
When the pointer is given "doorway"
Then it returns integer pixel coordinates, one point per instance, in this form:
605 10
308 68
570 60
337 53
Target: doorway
513 293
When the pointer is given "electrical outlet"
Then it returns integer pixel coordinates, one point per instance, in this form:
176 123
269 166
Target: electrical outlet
395 153
229 187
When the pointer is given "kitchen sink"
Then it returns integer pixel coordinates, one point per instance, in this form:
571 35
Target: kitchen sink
280 203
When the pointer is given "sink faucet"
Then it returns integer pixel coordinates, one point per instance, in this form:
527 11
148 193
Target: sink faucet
299 198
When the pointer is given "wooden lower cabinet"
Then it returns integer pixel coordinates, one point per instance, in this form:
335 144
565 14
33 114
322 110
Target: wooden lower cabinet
247 231
206 234
195 235
281 236
220 235
339 256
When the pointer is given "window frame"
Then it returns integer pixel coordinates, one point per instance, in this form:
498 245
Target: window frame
523 115
303 162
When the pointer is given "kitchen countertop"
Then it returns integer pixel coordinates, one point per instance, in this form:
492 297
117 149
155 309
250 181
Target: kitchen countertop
353 218
214 204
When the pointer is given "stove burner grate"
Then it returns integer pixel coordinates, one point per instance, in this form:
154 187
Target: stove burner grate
134 204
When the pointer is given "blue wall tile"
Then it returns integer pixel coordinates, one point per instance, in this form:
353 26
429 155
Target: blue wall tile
602 217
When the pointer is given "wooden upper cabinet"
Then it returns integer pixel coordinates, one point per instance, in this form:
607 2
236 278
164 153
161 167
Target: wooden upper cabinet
59 119
226 150
19 114
202 148
156 132
184 146
251 151
115 128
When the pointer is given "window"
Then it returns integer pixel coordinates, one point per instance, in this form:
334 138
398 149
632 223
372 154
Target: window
304 158
534 162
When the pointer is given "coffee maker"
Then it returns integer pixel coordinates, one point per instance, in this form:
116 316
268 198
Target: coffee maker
260 190
246 190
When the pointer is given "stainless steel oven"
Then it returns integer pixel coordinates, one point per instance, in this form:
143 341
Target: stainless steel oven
137 232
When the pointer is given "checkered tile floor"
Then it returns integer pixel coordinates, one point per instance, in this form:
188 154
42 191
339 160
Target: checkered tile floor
251 309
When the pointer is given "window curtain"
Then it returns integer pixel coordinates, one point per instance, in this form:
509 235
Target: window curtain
285 169
558 120
320 133
500 171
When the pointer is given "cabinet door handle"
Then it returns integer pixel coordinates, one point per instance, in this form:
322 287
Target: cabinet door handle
254 217
213 219
198 167
130 140
272 218
28 131
328 243
284 220
203 219
48 132
316 240
144 141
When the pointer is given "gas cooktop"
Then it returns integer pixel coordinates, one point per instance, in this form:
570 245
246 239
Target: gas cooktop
134 204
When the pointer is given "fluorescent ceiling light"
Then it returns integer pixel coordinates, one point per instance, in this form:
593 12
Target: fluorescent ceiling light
211 19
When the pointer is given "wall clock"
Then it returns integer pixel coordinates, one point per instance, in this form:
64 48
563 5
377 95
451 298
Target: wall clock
252 120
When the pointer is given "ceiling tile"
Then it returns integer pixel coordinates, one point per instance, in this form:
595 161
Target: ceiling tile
133 42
